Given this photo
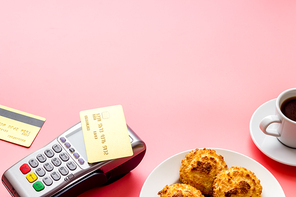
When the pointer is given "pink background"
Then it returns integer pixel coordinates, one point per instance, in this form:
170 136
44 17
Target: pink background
189 74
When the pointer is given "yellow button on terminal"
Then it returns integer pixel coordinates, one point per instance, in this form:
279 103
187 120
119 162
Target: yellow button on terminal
31 177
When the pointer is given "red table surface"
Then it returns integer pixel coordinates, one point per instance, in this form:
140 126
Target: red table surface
189 74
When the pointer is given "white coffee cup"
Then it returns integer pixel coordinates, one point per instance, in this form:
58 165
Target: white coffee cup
286 130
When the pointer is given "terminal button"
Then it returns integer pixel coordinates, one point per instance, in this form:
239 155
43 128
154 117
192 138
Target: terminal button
71 165
49 153
57 148
25 168
31 177
72 150
63 139
41 158
81 161
38 186
55 176
40 172
47 181
64 157
56 161
68 145
33 163
64 171
48 167
76 155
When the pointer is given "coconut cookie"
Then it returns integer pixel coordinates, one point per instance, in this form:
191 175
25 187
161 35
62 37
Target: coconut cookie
200 167
237 182
179 190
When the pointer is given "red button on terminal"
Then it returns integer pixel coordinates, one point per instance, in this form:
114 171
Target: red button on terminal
25 168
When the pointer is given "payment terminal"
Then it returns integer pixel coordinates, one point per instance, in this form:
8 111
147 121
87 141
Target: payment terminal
60 169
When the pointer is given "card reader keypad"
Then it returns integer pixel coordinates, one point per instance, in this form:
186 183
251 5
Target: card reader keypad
72 150
49 166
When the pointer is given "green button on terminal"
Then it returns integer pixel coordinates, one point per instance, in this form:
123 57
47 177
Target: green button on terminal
38 186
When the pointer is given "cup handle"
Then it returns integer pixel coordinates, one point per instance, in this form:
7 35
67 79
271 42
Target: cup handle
265 122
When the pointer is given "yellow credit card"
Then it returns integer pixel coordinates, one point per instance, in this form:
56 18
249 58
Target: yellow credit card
19 127
105 134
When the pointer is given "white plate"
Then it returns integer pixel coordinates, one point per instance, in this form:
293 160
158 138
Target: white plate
167 173
269 145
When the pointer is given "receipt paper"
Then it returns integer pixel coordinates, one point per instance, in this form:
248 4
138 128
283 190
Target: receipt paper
105 134
19 127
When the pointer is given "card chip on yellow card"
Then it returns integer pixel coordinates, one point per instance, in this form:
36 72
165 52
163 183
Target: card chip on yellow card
105 134
19 127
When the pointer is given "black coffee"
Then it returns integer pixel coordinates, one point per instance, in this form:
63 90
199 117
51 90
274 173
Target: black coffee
289 108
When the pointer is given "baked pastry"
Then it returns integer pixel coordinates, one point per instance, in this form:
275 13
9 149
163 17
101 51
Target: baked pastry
180 190
200 167
237 182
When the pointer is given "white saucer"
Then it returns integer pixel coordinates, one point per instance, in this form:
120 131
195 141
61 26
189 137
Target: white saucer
269 145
